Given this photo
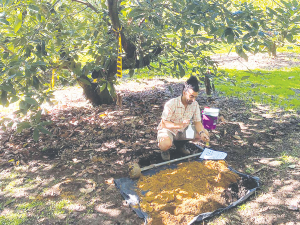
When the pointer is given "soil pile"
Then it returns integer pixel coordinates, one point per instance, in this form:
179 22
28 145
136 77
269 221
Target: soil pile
176 196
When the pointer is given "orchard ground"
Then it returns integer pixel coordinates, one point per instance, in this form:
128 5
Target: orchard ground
67 178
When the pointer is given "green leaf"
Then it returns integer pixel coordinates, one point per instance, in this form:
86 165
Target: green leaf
35 82
246 37
230 39
39 63
4 98
109 87
295 3
38 116
4 21
103 86
18 22
31 101
14 99
228 31
84 81
280 10
246 47
36 134
289 37
23 105
196 28
255 25
22 126
7 87
229 34
43 130
181 70
33 8
241 52
5 55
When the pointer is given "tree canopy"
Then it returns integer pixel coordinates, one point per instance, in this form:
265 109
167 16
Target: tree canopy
45 42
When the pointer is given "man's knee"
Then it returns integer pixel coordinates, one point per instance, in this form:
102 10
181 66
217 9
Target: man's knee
165 143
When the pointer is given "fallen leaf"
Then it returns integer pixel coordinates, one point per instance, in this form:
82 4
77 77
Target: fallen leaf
236 217
222 119
293 207
64 135
110 181
90 170
86 190
122 142
237 137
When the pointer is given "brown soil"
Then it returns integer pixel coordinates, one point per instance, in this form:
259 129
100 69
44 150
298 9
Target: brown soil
176 196
92 146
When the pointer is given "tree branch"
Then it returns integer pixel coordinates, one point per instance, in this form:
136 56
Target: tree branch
87 4
142 62
5 49
130 61
128 47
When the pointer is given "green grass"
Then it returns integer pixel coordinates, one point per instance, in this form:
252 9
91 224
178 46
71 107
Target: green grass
278 88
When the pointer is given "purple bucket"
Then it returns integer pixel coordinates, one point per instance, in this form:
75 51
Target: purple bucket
210 118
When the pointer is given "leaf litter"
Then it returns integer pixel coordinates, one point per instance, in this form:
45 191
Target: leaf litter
87 146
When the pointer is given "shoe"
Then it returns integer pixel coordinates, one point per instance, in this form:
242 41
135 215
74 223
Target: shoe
180 147
165 155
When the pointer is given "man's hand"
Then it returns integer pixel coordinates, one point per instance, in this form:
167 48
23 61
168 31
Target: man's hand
204 137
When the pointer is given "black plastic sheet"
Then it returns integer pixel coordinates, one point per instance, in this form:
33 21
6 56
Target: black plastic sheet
128 186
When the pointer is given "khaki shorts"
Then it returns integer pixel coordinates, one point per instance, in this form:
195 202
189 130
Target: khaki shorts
179 137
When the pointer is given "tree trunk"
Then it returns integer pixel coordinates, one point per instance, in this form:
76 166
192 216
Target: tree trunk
93 94
129 61
208 86
274 49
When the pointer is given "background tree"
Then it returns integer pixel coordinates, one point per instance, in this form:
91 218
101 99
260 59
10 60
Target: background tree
64 41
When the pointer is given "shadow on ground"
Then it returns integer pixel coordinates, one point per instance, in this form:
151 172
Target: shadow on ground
67 178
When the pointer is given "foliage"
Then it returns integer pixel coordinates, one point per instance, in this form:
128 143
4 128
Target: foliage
279 88
45 42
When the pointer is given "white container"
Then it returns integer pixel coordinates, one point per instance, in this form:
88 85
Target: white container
190 132
211 112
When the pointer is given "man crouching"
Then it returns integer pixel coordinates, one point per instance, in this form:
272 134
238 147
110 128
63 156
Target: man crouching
175 122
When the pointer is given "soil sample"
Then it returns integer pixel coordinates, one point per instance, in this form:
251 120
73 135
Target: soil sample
176 196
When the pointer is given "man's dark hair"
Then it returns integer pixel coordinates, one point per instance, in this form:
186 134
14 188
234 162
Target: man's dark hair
191 83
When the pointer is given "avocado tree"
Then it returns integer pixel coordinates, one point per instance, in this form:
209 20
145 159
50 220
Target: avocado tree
45 42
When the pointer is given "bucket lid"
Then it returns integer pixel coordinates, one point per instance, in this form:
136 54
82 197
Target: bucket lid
211 111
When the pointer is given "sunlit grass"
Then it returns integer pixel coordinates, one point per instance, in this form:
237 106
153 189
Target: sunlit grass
244 207
13 218
286 158
278 88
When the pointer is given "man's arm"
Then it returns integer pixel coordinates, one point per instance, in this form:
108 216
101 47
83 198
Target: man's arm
171 125
204 135
199 128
